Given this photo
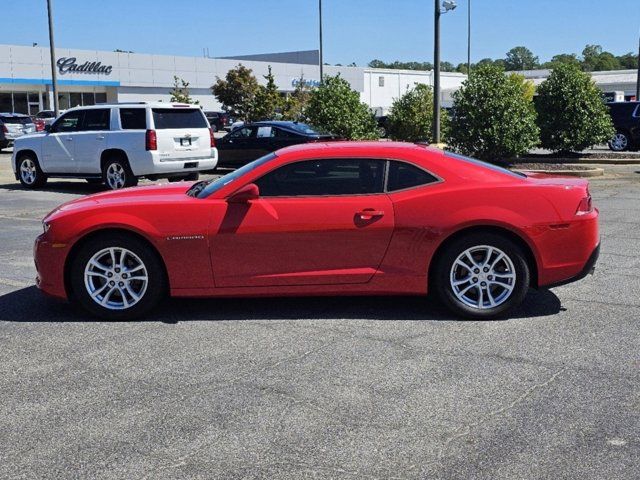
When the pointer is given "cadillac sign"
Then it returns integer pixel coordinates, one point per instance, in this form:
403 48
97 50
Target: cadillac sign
69 65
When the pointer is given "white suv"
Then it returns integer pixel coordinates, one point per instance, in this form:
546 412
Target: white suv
117 144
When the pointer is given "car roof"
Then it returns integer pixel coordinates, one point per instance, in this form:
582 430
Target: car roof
276 123
324 149
11 114
136 105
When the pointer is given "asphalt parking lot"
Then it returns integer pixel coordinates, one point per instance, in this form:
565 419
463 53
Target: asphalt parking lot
325 387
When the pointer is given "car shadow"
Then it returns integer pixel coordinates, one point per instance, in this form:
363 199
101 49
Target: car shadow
77 188
30 305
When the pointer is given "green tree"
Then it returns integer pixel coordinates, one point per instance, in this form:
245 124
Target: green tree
411 115
493 116
520 58
180 92
562 58
572 114
296 102
594 59
334 106
628 61
237 92
268 101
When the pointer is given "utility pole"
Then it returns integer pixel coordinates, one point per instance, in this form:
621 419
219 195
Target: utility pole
436 75
638 77
52 51
468 37
320 30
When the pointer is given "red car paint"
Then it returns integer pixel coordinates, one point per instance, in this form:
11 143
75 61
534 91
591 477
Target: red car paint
342 245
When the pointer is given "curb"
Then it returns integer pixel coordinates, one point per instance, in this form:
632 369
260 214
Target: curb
589 173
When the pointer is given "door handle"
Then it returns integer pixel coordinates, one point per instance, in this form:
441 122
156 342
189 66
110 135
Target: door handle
69 139
369 213
100 137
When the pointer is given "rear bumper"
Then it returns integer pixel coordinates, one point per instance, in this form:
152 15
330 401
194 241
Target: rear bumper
588 268
151 163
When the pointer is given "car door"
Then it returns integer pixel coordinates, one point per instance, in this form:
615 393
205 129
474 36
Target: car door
58 148
91 140
238 147
317 222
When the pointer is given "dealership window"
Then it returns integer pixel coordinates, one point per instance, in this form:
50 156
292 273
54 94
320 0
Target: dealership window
381 81
88 99
101 98
6 104
63 101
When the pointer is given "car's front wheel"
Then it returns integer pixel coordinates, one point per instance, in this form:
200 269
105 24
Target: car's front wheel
619 142
482 275
30 173
117 277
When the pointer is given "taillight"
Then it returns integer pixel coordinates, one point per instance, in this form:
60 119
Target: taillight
151 140
585 206
213 140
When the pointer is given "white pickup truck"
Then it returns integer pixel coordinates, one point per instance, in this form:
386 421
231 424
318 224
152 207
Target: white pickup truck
117 144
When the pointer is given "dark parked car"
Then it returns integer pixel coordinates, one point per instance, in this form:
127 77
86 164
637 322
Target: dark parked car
12 126
253 140
219 120
626 120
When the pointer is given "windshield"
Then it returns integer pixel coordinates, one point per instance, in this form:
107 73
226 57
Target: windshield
490 166
217 184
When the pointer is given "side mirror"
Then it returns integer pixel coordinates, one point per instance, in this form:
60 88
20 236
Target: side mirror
244 194
47 127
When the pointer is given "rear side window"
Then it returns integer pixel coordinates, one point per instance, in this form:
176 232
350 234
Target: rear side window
404 175
97 119
165 118
324 177
133 118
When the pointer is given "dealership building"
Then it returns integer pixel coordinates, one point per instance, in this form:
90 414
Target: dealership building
87 77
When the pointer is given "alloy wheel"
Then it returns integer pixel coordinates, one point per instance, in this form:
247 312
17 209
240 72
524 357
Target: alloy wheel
619 142
116 278
28 171
116 176
483 277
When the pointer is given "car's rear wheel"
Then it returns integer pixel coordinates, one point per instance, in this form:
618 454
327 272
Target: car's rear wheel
117 277
29 172
619 142
482 275
117 174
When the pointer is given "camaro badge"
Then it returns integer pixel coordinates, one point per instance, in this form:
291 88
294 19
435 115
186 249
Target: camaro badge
187 237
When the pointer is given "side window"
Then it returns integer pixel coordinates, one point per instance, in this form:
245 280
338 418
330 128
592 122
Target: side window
280 133
324 177
265 132
404 175
133 118
69 122
244 132
97 119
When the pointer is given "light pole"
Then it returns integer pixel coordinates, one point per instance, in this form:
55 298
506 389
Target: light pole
320 30
447 5
468 37
52 52
638 76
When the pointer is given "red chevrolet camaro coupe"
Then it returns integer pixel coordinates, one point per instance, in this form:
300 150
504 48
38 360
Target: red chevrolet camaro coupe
345 218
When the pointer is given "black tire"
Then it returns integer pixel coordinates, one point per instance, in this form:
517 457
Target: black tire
443 270
156 287
35 178
119 164
620 142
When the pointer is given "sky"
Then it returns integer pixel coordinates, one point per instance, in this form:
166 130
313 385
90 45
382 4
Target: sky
354 30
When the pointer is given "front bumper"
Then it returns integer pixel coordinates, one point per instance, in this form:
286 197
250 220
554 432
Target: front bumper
50 259
589 268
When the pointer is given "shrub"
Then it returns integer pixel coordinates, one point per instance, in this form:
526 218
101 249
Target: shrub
334 106
411 116
572 114
493 116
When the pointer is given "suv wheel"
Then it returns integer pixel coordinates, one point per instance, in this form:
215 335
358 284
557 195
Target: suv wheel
117 277
619 142
29 172
483 275
116 174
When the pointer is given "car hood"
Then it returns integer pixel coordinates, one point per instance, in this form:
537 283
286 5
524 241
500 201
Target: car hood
127 197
